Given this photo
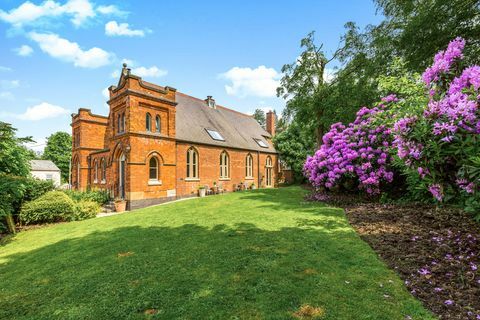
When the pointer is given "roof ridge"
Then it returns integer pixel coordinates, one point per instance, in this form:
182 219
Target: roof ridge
222 107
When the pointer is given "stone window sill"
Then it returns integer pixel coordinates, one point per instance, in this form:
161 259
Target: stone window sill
103 182
249 178
154 182
95 181
224 179
192 179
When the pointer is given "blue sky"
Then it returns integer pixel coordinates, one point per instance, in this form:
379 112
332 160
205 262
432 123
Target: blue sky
59 55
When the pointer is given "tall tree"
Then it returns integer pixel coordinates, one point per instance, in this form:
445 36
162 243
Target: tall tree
303 82
59 151
14 157
294 144
259 115
419 29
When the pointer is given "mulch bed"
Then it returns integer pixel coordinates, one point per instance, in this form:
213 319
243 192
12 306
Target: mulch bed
435 251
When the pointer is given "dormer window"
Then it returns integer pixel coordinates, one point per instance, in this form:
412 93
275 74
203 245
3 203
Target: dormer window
261 143
215 135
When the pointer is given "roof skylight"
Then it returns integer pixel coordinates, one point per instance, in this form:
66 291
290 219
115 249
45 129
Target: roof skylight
215 135
261 143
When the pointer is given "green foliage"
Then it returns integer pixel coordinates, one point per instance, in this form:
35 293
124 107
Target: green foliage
14 157
54 206
408 88
99 196
85 209
416 30
259 115
59 151
14 191
295 144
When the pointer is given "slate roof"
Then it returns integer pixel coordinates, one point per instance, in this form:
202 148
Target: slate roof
193 116
43 165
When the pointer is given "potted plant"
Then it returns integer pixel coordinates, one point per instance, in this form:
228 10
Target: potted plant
120 205
201 191
253 186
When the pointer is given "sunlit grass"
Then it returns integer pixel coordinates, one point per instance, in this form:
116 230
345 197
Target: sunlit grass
264 254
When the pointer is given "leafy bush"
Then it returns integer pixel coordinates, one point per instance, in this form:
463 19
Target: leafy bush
99 196
357 153
54 206
442 145
85 209
14 191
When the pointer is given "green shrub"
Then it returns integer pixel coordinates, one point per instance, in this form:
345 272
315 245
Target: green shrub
14 191
35 188
54 206
99 196
85 209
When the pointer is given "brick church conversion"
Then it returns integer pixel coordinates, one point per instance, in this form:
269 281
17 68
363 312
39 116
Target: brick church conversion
159 144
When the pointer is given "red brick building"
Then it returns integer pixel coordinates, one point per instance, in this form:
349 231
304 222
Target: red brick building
158 144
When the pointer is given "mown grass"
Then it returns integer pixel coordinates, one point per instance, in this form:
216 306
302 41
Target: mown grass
263 254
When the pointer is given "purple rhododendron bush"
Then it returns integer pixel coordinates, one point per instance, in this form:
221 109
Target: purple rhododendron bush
357 154
436 147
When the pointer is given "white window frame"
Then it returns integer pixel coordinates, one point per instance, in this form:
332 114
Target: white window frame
249 166
224 166
215 135
192 164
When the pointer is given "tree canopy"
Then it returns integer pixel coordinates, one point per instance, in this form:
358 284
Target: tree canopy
59 150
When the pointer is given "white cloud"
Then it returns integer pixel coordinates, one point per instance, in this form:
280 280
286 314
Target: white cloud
106 93
115 74
9 84
6 95
24 50
112 28
37 146
68 51
329 75
260 82
111 10
153 72
28 12
42 111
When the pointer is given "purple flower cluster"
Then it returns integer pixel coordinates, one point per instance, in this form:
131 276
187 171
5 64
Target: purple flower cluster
443 61
448 119
358 151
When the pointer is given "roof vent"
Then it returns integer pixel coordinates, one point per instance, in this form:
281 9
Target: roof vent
211 102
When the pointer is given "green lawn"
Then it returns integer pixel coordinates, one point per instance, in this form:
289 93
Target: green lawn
251 255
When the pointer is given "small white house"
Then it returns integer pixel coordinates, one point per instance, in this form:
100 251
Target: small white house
45 170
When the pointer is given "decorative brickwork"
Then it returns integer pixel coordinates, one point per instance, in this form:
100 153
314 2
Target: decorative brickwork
115 152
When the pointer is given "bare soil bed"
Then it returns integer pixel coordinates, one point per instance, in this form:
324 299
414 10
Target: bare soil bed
435 251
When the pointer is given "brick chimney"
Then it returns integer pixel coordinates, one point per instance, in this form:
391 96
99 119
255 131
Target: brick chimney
271 122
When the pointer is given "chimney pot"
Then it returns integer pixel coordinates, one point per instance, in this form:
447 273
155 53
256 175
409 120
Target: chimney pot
271 123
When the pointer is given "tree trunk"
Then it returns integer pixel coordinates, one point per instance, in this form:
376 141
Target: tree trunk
10 223
320 130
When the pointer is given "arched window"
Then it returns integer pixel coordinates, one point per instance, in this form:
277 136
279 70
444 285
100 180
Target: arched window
148 122
268 162
192 163
103 166
268 172
158 124
224 165
123 122
95 171
249 166
153 169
